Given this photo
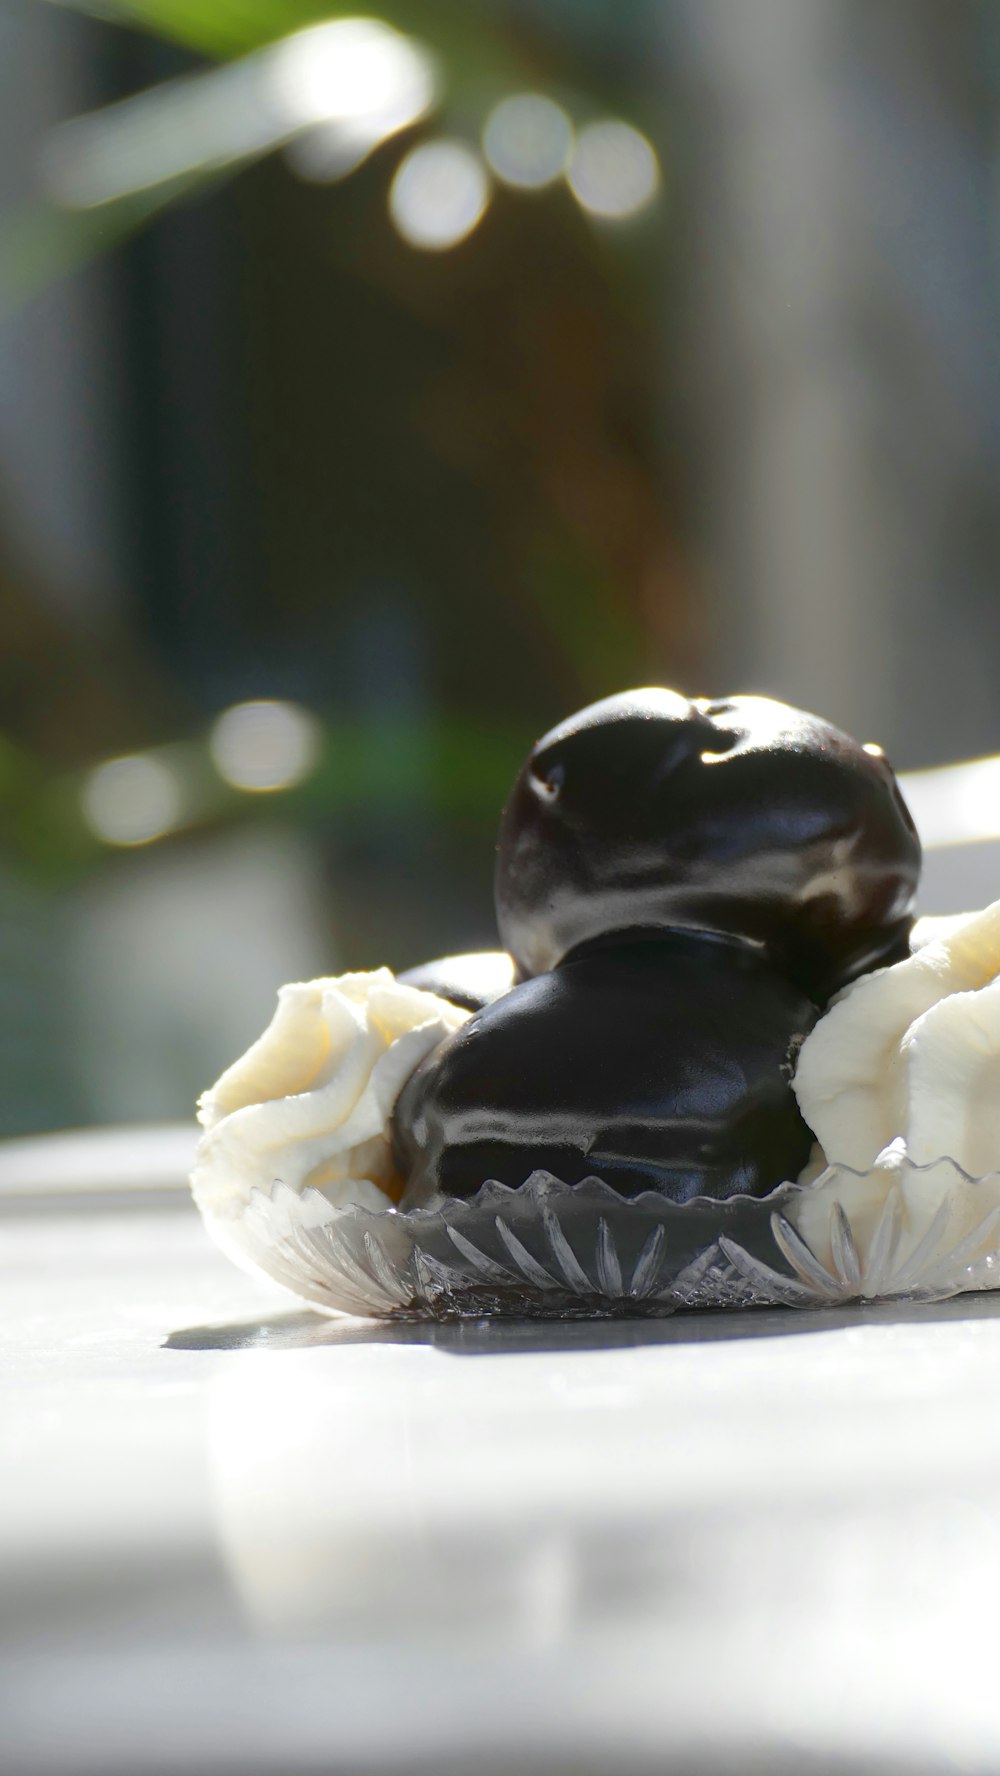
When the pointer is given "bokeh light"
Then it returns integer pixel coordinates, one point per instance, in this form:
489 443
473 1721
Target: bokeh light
265 746
528 140
330 151
349 83
614 171
362 82
354 67
440 191
132 800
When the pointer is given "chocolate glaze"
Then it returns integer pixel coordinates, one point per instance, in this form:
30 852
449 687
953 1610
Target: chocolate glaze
655 1066
745 817
471 981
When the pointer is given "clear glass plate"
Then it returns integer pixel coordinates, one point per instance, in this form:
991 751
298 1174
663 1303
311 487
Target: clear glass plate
548 1249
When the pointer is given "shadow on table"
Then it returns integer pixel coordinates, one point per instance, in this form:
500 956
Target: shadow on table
492 1337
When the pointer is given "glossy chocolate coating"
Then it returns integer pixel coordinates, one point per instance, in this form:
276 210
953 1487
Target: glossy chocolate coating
746 817
655 1066
471 981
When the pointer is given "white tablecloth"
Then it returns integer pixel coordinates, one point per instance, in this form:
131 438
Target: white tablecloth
235 1536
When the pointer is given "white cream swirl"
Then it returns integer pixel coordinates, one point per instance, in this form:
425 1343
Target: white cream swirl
904 1071
309 1103
911 1054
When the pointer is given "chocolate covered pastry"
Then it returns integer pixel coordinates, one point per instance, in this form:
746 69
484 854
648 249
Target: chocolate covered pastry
618 1113
648 812
681 886
656 1066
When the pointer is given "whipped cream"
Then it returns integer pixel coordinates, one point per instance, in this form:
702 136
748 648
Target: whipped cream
309 1104
911 1054
903 1072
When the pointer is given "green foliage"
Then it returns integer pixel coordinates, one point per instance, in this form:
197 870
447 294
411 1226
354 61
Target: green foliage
450 768
463 33
42 244
47 241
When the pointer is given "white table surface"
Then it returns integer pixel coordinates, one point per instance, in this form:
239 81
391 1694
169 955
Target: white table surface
237 1536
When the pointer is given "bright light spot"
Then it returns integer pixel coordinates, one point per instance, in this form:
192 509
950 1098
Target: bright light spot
614 171
330 151
528 140
265 746
360 83
955 804
440 192
129 801
351 68
356 79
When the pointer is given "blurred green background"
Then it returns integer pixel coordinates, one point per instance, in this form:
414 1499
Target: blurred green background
373 395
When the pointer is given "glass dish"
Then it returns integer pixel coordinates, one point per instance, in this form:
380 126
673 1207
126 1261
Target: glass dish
551 1250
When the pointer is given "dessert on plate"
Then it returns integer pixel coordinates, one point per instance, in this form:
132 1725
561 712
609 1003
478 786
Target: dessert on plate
707 1066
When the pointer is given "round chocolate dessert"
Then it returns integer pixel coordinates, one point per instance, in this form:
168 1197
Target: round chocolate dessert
648 812
471 981
655 1066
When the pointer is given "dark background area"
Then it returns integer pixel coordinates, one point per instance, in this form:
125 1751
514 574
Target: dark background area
255 445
